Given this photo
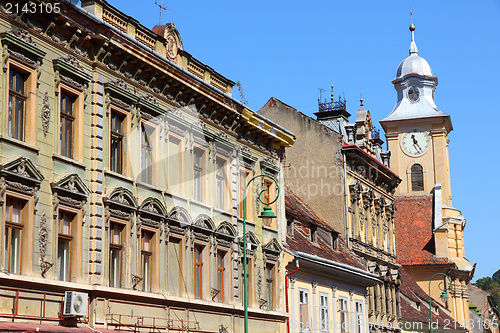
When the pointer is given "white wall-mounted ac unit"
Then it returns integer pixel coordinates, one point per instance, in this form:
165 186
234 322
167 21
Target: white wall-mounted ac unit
75 304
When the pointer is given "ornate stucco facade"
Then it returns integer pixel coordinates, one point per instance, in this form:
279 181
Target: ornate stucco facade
355 192
123 164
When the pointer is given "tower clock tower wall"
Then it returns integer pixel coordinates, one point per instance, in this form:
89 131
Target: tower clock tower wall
417 137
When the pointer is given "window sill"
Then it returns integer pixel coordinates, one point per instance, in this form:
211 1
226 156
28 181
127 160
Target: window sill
68 160
222 212
118 175
200 204
20 143
246 221
275 230
147 186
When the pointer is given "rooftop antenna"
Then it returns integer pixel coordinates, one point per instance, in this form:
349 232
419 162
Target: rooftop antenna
332 96
162 7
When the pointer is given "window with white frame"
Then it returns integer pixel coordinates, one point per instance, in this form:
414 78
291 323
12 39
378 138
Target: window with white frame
323 312
198 183
147 153
359 316
344 314
221 183
304 310
116 254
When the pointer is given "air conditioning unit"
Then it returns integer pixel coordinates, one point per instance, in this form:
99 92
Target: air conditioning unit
75 304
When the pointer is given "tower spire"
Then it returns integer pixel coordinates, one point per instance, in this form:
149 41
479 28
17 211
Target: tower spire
413 45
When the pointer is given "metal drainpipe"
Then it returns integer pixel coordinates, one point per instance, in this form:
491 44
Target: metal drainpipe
286 292
346 209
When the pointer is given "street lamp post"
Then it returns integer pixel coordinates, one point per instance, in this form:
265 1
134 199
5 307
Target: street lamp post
443 296
493 321
267 215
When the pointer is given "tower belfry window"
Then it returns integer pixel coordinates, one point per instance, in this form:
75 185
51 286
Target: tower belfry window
417 178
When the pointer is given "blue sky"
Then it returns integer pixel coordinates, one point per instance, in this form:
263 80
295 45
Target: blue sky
289 49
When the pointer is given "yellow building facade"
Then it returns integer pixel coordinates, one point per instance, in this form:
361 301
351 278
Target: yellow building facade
417 136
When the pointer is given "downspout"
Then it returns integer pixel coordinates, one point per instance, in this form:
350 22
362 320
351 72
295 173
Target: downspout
286 292
346 209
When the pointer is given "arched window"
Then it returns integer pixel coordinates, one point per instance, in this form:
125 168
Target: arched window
417 178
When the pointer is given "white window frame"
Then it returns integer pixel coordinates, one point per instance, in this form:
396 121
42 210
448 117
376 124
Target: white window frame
324 312
301 300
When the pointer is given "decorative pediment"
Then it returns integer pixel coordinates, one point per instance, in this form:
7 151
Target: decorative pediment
71 184
154 207
226 229
19 44
273 247
251 239
69 70
205 223
119 94
246 157
122 198
180 216
268 165
21 168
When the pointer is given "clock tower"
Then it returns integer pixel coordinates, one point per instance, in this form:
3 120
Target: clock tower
417 131
429 231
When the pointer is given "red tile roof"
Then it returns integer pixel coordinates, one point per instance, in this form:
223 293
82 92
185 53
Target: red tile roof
414 237
412 291
303 216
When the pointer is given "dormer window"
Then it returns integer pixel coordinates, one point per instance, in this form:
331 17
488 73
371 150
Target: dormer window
335 240
289 228
314 234
417 305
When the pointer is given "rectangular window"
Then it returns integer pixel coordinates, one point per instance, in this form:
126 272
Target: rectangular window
175 164
198 174
13 228
221 176
116 142
270 286
64 239
304 311
221 268
198 273
146 254
146 154
323 312
115 254
66 124
344 315
174 266
243 178
359 317
17 103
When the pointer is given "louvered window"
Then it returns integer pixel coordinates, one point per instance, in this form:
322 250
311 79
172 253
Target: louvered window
417 178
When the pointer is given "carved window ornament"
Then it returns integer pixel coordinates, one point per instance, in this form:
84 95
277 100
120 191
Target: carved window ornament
119 95
272 251
269 166
69 71
152 212
19 45
252 243
368 198
203 227
178 219
355 190
70 190
225 234
119 203
19 175
246 159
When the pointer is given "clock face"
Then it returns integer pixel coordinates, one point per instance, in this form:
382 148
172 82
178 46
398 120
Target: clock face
413 93
415 142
